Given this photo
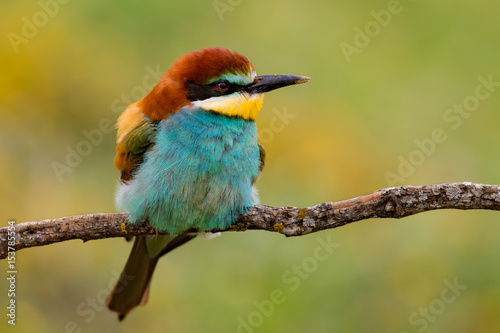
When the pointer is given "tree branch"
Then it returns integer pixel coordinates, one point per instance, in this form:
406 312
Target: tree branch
394 202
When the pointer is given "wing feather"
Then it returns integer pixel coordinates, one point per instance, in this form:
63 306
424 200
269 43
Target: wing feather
136 133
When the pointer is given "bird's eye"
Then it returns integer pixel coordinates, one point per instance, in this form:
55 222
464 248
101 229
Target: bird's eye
222 86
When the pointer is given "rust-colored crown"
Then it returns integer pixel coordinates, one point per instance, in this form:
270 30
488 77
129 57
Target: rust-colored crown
169 95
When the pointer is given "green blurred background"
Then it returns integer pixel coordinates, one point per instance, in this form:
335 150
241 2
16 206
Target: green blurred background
347 128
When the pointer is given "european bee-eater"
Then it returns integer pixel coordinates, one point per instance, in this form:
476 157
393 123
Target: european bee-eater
188 156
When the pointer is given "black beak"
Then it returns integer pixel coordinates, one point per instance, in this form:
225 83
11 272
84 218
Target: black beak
265 83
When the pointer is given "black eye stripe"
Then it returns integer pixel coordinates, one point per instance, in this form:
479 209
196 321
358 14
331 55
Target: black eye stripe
199 92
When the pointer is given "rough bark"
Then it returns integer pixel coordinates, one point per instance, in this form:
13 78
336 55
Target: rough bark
394 202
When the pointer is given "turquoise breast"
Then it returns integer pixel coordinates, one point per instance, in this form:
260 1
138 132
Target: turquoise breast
198 174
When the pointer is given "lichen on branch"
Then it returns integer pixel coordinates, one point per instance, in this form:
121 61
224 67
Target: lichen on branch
393 202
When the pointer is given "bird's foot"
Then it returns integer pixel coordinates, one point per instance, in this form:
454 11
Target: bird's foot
209 235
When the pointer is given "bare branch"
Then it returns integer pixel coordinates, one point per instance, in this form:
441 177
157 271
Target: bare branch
394 202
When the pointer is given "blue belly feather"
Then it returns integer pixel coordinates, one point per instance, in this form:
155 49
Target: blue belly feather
198 174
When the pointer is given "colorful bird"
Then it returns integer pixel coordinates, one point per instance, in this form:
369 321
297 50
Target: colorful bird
188 156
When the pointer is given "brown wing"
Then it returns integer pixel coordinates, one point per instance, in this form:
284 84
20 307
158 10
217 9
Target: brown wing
262 154
136 133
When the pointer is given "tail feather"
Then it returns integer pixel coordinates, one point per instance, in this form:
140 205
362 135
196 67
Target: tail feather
132 288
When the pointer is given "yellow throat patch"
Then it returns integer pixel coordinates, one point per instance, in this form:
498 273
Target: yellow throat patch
244 105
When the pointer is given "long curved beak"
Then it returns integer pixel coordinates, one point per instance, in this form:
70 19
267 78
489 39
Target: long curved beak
265 83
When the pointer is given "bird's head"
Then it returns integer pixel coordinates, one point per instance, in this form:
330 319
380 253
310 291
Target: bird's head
215 80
